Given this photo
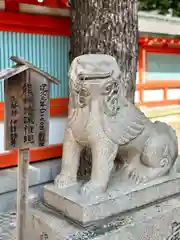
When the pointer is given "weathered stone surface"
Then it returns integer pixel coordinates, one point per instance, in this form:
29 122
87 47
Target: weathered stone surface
155 222
101 118
119 198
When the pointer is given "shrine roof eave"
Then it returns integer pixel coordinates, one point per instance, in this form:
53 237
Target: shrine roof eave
23 65
155 23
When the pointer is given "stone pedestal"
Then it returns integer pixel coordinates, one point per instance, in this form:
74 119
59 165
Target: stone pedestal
118 199
147 212
157 222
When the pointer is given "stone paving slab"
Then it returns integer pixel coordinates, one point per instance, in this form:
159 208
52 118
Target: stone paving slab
7 225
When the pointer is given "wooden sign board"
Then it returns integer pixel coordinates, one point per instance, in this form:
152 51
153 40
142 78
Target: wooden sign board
26 108
26 123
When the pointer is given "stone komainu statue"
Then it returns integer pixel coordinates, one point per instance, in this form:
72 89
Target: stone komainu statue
100 118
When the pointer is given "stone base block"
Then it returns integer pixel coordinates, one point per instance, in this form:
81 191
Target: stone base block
156 222
117 200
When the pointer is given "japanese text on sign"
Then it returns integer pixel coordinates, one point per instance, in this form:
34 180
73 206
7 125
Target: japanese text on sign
28 113
26 110
14 121
43 109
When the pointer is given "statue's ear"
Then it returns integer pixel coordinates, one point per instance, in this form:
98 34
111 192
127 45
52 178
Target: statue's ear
107 88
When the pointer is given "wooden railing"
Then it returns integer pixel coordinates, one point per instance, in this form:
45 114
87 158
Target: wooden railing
158 85
163 46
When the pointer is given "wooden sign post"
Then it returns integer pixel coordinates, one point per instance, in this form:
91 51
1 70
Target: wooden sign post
26 122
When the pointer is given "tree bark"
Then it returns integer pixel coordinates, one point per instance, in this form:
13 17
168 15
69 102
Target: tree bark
110 27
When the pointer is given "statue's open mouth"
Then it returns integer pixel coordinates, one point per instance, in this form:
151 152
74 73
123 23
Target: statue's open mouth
90 76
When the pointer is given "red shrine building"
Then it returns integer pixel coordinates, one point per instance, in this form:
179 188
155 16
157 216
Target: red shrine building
39 30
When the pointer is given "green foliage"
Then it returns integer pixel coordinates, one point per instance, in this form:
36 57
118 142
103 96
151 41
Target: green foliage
162 6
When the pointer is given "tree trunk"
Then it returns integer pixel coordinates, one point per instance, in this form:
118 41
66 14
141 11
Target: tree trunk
110 27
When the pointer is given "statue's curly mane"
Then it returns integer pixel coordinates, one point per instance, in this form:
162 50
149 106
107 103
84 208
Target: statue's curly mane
111 98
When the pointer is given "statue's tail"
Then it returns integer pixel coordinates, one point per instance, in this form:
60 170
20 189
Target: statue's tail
172 134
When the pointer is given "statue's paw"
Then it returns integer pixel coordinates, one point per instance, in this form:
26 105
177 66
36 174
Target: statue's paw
136 176
63 181
91 189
